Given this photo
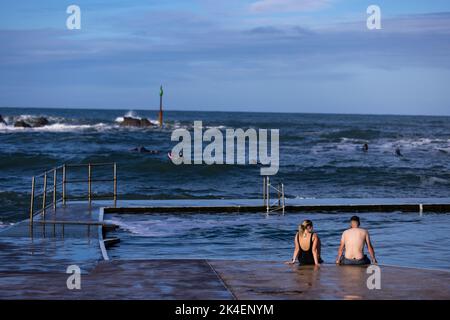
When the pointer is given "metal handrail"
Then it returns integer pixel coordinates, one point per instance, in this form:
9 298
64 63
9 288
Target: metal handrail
48 171
53 175
98 197
92 180
280 201
87 164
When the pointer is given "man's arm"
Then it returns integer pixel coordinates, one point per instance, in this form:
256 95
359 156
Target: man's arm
340 250
370 248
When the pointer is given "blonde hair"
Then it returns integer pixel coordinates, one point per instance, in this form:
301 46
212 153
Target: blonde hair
302 227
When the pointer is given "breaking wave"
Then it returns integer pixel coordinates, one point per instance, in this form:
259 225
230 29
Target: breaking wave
61 124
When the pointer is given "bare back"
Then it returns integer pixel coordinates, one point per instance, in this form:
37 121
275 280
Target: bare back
354 240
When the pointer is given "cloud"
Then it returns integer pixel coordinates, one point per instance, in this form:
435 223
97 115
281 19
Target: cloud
415 24
271 6
178 43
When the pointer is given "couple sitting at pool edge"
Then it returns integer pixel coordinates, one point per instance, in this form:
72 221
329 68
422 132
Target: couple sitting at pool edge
308 247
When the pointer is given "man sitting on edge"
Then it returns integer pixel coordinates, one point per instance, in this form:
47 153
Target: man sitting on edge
353 241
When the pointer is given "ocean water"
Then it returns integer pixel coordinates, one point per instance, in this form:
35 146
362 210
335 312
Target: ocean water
320 157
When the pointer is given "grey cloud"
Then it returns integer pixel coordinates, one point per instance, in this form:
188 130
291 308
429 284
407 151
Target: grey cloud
271 50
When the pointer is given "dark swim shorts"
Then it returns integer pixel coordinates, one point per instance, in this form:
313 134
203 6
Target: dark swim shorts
355 262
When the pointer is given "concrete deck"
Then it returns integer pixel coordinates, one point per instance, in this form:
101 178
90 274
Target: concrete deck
53 246
273 280
202 279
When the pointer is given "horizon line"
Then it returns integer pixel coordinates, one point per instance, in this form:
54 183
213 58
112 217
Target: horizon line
233 111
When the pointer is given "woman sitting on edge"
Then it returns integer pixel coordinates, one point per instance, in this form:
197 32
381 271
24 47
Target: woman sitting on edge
307 245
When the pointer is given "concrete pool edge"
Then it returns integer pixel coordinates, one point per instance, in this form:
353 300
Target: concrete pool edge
292 205
101 241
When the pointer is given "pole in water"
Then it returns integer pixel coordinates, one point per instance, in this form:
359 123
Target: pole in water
161 92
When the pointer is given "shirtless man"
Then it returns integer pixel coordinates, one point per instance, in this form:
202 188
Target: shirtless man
353 241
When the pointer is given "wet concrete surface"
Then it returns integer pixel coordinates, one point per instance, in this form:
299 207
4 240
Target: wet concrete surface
147 279
274 280
202 279
52 247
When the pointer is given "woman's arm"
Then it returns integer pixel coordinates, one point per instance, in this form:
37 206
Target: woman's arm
294 257
315 249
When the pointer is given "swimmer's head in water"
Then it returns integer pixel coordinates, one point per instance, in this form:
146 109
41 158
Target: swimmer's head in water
305 225
354 221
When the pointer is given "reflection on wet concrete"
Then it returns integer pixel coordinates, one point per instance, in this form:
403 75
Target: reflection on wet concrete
221 279
273 280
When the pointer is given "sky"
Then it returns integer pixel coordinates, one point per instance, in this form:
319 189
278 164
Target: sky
229 55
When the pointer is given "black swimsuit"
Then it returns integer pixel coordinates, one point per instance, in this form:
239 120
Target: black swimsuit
306 257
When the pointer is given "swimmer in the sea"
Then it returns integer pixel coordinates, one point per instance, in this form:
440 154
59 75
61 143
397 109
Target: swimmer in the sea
365 147
142 149
398 153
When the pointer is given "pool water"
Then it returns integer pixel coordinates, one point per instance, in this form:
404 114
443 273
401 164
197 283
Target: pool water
405 239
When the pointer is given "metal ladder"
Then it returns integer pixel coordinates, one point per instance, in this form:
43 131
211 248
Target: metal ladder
278 203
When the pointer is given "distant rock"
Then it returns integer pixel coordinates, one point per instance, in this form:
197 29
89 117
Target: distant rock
133 122
130 122
21 124
2 120
146 123
32 123
39 122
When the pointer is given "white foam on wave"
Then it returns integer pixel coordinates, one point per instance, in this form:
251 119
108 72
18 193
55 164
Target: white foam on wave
333 147
430 181
168 226
154 227
216 127
5 225
55 124
352 140
61 127
302 198
419 143
58 127
384 145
